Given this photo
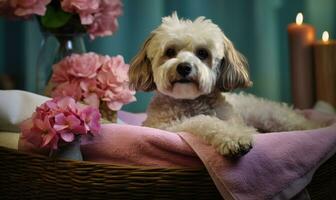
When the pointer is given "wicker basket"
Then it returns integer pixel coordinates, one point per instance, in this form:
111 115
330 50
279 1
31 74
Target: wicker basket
30 176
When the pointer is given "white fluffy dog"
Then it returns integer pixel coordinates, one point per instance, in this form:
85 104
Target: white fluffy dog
190 64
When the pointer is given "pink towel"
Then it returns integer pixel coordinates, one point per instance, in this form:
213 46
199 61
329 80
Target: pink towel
279 166
134 145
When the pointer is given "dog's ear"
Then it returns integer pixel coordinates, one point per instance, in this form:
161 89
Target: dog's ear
140 72
233 69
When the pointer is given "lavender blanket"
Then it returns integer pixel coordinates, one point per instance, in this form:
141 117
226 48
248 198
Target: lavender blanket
278 167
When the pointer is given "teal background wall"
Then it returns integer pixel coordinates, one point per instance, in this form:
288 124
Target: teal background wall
258 28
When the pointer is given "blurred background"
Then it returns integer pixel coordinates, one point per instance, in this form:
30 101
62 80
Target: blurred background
258 28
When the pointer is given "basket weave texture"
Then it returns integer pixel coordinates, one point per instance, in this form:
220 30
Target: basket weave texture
30 176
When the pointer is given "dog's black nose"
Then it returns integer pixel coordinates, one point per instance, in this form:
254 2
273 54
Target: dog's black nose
184 69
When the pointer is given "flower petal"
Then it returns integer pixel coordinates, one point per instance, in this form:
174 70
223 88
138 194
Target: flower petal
67 137
47 138
73 121
60 127
92 100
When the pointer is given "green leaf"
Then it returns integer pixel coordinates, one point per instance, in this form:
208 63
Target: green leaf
55 18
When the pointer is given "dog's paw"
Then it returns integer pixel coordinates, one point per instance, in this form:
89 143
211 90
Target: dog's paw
234 147
241 152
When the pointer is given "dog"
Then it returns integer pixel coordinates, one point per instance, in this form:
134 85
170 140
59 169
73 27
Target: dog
192 67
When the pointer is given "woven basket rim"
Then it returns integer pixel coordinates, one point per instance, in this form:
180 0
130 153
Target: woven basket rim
76 162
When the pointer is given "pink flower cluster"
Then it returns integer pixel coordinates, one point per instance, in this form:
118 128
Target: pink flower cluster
24 7
58 121
99 16
94 79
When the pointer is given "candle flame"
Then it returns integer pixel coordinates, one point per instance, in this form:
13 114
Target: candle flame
325 36
299 18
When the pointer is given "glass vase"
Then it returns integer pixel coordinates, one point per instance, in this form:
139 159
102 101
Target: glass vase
54 47
70 151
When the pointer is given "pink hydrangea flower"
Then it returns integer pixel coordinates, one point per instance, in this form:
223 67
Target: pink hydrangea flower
113 76
64 123
85 65
29 7
115 100
85 9
91 119
113 72
93 79
60 72
105 21
97 17
59 121
91 92
69 88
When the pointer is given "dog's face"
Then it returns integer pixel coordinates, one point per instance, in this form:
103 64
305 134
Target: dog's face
185 59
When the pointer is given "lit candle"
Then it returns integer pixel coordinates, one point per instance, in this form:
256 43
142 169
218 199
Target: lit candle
325 69
325 36
301 37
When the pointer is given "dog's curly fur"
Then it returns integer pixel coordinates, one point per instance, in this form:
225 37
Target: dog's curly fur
190 64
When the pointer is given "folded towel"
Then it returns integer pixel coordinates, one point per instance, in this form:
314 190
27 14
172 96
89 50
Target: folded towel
278 167
133 145
16 106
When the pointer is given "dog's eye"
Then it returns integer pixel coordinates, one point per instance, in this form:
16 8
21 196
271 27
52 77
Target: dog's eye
170 52
202 54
